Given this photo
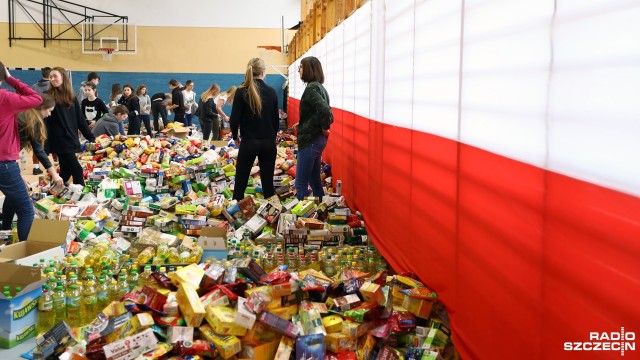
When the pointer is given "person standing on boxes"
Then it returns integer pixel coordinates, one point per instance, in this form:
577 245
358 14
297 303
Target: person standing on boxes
255 114
32 135
313 130
11 183
63 125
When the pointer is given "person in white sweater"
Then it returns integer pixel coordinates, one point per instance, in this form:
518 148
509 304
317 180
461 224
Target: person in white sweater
189 100
145 107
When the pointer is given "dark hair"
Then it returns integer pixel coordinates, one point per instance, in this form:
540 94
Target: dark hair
189 82
311 70
63 94
3 72
47 102
115 90
91 85
133 92
140 87
173 82
93 75
45 72
120 109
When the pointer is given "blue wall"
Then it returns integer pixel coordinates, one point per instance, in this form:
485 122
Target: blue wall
156 82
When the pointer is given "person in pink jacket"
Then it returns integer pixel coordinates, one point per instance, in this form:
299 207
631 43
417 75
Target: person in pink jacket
11 183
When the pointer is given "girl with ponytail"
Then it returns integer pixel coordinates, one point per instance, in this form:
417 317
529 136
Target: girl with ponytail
254 125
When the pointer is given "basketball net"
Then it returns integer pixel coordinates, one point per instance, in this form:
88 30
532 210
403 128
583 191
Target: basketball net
107 53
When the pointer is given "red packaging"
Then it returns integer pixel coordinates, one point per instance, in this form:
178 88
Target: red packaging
343 355
197 347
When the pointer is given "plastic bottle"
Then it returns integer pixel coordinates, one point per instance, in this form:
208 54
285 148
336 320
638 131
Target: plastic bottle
294 262
315 263
133 279
196 254
46 316
247 242
114 294
123 285
59 304
102 295
146 255
329 267
145 277
90 308
74 302
174 256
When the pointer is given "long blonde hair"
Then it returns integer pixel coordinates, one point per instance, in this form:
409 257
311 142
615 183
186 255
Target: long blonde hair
255 67
211 92
64 93
33 117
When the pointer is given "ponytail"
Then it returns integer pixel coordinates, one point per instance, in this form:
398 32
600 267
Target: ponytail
255 67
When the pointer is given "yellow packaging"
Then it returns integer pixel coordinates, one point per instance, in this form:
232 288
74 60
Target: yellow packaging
191 274
286 312
139 322
222 321
227 345
332 323
276 301
114 309
338 342
265 351
365 347
372 293
418 307
285 348
190 305
283 289
354 329
260 333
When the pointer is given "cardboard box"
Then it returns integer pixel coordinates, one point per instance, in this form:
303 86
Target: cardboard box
178 132
213 241
222 321
19 314
243 316
310 347
265 351
131 347
190 305
227 345
179 333
45 241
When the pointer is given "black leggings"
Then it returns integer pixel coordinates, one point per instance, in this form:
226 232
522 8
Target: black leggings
210 129
158 110
134 126
146 120
69 166
265 150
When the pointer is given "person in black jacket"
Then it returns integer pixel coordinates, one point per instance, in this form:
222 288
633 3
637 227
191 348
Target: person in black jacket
159 110
33 134
255 114
63 125
130 100
177 101
208 113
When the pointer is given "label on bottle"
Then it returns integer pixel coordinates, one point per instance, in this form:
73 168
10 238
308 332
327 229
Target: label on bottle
73 301
59 303
103 296
329 270
45 306
90 299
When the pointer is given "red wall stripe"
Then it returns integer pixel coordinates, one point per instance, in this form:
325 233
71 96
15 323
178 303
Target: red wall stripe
525 259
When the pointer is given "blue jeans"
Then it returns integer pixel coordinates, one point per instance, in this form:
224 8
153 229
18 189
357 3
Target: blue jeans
16 199
308 168
121 128
188 119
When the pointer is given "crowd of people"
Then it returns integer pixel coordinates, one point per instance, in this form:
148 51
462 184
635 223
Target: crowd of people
48 117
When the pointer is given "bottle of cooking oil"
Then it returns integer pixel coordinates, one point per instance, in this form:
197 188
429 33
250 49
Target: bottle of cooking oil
315 262
294 262
46 316
247 242
102 295
133 279
72 280
329 266
174 256
145 278
59 299
146 255
256 257
123 285
90 308
114 291
74 302
381 264
268 264
196 254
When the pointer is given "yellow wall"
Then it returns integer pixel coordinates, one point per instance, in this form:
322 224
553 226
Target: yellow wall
160 49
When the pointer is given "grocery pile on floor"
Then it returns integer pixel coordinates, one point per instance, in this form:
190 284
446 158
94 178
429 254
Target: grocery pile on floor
160 263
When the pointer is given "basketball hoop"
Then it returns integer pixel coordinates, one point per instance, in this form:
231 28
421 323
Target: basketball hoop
107 53
270 55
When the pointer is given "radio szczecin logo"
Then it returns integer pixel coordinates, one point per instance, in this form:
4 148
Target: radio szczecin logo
605 341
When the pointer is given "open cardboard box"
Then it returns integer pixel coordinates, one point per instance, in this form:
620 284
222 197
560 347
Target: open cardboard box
213 241
45 241
19 314
178 132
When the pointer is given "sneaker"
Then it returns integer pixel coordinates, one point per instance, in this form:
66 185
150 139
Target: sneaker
37 171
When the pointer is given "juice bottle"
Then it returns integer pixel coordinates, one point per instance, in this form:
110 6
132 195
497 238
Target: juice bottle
59 304
90 308
74 302
102 295
46 317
